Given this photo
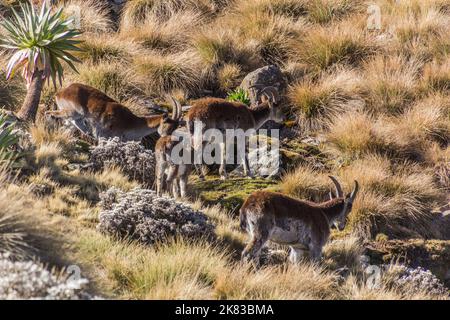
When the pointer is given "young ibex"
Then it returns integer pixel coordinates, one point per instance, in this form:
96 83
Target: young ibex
92 111
302 225
221 114
173 174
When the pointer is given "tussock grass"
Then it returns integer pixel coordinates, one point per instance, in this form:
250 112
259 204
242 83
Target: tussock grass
412 133
106 48
229 76
323 47
394 199
286 8
305 183
159 73
391 83
316 103
137 11
23 232
110 77
436 76
325 11
218 45
90 16
171 34
352 135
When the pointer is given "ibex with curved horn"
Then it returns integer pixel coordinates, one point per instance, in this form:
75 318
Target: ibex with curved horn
300 224
92 111
221 114
169 172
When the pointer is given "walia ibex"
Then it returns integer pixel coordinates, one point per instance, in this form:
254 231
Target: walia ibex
174 174
302 225
92 111
221 114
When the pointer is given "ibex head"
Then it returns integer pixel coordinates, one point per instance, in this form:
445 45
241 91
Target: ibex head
270 97
169 124
339 221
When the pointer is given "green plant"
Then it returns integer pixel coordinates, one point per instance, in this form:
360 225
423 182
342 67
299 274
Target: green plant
239 95
7 140
39 42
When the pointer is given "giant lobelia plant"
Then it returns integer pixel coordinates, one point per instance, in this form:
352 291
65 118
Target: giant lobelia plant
40 42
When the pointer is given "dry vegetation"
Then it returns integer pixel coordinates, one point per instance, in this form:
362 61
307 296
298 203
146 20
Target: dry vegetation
377 101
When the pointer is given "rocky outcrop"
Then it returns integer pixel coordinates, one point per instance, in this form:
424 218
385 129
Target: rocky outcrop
268 76
143 216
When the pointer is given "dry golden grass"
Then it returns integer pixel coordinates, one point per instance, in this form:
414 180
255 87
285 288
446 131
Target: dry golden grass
167 35
352 135
23 232
107 48
92 16
412 133
158 73
316 103
394 199
436 76
323 47
110 77
390 83
137 11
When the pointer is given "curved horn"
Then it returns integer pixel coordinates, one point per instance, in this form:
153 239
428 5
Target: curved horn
273 93
176 113
354 192
331 195
339 191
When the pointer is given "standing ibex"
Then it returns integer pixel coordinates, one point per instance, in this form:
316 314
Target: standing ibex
174 173
302 225
221 114
89 109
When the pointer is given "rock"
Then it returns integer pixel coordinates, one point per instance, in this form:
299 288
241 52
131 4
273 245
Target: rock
143 216
268 76
131 157
24 280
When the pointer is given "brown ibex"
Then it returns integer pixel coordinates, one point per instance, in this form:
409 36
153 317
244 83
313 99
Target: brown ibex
90 110
302 225
221 114
174 174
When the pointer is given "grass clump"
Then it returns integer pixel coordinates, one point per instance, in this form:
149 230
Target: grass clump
159 74
316 102
390 83
323 47
91 16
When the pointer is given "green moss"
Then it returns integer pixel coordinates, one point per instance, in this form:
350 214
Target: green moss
230 193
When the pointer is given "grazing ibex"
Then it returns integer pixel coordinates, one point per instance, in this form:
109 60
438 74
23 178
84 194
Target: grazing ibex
302 225
221 114
92 111
173 173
